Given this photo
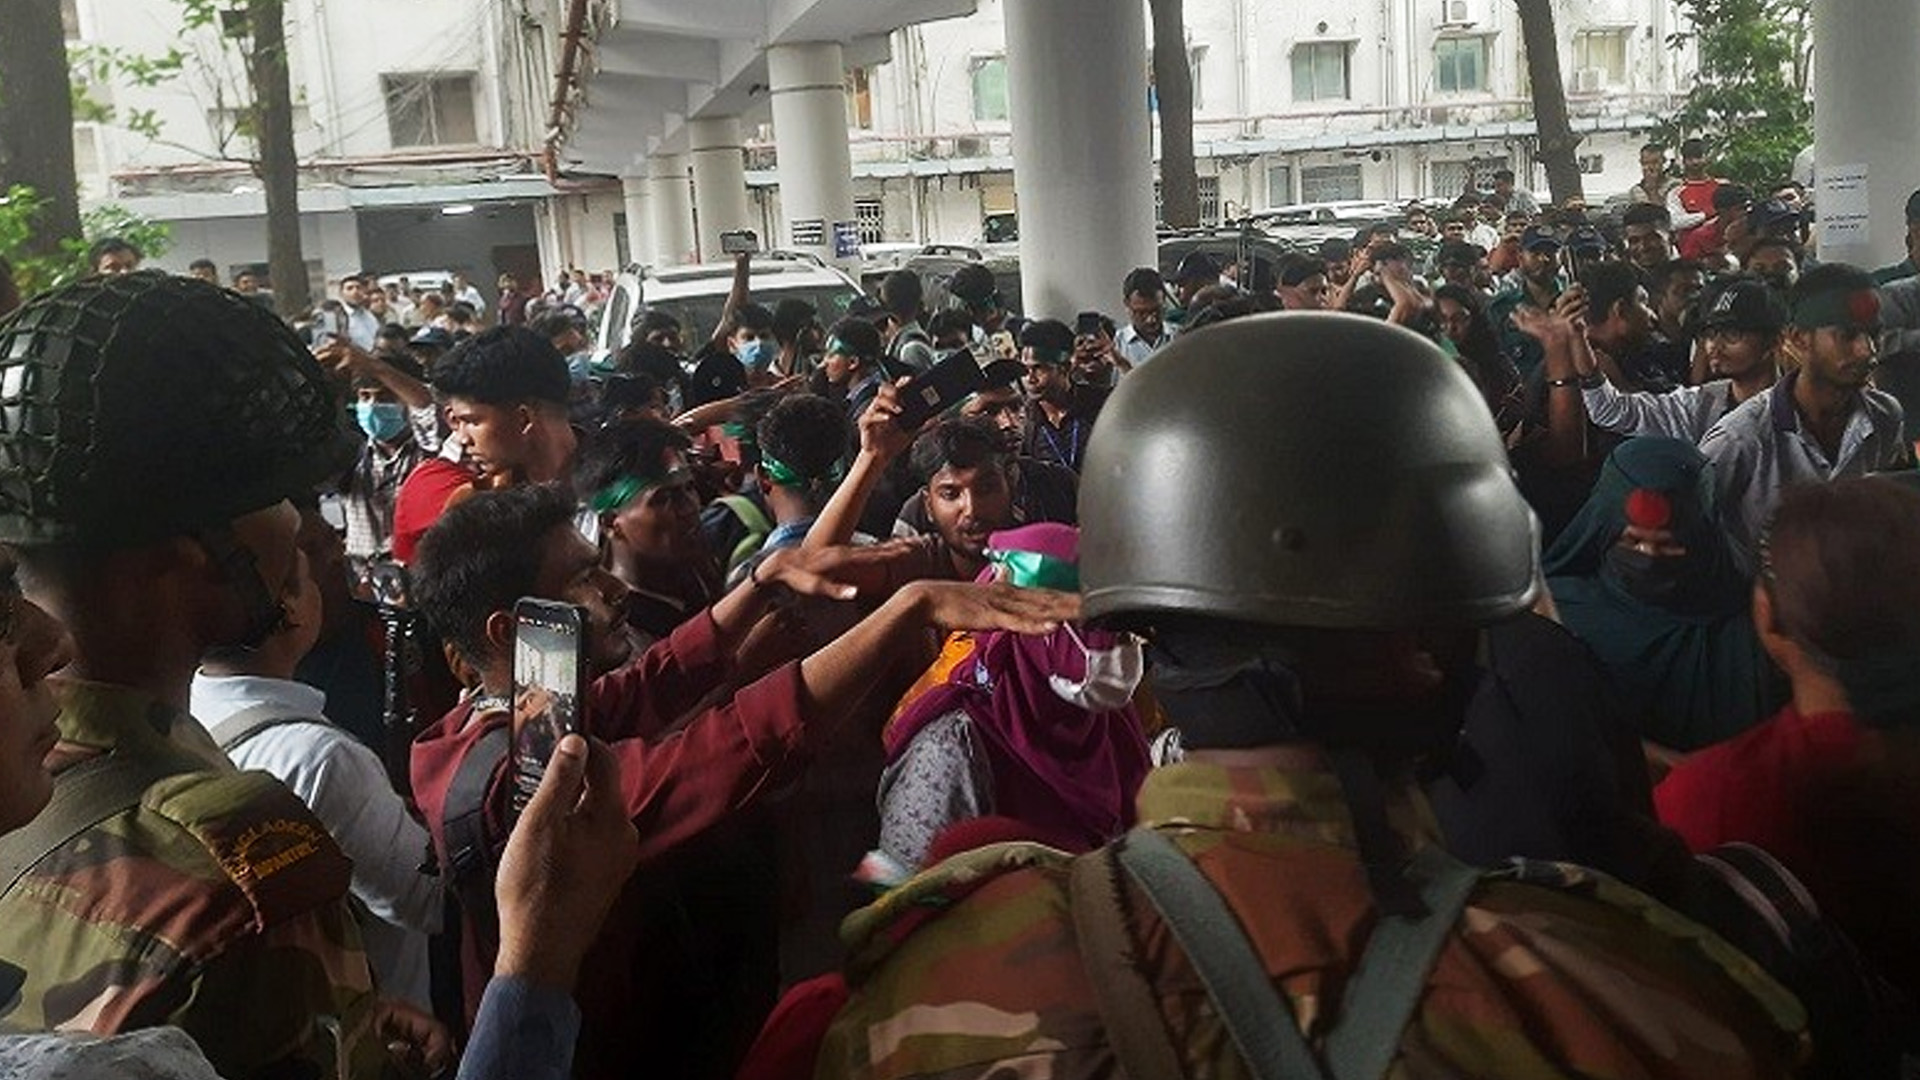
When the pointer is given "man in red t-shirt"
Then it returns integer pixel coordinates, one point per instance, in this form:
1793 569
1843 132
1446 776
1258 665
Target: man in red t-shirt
1690 203
1827 785
506 393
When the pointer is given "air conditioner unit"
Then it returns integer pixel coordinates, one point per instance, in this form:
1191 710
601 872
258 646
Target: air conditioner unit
1589 80
1456 13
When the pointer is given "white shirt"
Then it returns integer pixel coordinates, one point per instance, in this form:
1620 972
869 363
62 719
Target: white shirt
1687 412
1136 349
471 295
346 787
1483 235
363 327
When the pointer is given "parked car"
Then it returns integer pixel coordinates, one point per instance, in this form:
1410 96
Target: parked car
1255 253
419 279
696 295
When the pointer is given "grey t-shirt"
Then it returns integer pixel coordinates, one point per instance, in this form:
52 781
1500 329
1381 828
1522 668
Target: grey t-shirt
165 1053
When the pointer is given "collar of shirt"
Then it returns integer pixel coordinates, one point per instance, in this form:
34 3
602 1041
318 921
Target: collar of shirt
98 717
1305 804
216 697
1129 335
789 534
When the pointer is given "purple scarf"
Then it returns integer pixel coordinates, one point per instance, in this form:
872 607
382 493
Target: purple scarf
1067 772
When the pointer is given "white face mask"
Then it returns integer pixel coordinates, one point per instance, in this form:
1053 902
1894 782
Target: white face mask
1111 678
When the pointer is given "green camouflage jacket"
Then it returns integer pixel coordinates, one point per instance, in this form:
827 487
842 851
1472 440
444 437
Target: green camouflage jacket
217 904
972 968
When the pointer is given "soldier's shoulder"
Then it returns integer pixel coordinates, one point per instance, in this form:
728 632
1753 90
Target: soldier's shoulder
948 893
213 855
1603 929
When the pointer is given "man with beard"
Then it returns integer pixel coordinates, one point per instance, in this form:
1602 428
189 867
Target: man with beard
1042 490
1819 422
1061 413
1535 282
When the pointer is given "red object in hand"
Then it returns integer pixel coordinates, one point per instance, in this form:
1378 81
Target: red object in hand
1649 509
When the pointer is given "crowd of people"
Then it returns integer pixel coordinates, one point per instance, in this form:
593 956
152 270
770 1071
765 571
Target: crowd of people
1498 663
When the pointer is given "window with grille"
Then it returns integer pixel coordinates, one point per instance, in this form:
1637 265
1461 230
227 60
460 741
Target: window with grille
1209 187
989 88
1320 71
870 216
1330 183
1460 65
430 110
1279 185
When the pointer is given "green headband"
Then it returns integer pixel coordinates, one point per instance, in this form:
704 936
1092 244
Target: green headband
627 488
1032 570
1851 308
786 475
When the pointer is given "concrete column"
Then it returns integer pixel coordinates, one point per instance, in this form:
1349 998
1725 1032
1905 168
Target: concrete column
1866 84
670 198
719 181
633 189
1082 150
810 131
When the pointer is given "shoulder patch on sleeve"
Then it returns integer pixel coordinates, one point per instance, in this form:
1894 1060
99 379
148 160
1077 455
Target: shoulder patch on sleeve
262 836
871 932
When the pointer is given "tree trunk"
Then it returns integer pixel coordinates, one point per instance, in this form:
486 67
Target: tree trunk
279 167
36 118
1556 138
1173 89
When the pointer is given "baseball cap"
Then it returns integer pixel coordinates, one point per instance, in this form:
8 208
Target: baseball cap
1772 213
1742 305
1196 266
1539 236
431 337
1586 239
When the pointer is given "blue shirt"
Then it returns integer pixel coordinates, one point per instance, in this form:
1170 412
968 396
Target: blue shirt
523 1032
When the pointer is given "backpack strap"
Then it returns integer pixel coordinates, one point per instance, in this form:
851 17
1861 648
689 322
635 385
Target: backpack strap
463 829
1260 1021
1135 1027
1386 988
1392 976
759 527
83 796
247 723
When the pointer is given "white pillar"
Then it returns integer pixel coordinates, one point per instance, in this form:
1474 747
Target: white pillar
1866 85
810 131
633 189
1082 150
670 197
719 181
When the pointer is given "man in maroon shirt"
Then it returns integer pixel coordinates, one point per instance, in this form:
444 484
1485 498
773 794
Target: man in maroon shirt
687 765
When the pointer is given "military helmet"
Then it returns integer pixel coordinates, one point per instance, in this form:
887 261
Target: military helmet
142 406
1308 469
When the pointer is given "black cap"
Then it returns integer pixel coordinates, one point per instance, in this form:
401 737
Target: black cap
1772 214
1539 236
1743 304
1196 266
1587 240
1051 340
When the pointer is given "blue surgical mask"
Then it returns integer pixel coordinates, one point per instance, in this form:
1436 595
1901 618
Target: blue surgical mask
383 421
755 354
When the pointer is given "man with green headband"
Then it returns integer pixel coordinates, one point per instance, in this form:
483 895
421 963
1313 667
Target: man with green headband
853 363
1063 411
1818 423
803 457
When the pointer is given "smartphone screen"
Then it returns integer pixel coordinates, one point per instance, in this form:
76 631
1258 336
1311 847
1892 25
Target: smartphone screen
548 665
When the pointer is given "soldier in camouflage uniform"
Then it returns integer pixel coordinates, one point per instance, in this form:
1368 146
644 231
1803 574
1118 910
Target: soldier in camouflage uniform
153 429
1281 598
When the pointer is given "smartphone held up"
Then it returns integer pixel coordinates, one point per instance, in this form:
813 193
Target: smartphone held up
549 687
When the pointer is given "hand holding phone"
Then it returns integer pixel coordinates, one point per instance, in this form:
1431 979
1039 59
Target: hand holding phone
739 242
946 384
549 687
